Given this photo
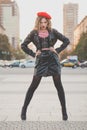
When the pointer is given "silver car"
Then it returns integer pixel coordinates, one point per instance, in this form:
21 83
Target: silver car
83 64
26 64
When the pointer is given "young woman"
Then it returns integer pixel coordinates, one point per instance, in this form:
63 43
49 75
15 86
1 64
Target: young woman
44 38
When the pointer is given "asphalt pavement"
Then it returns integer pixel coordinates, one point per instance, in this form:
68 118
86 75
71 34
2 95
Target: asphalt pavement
44 111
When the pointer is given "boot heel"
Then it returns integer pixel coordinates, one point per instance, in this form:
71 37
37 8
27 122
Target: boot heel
65 117
64 114
23 114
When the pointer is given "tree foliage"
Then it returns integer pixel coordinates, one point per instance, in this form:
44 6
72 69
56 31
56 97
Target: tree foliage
81 48
5 48
7 52
64 54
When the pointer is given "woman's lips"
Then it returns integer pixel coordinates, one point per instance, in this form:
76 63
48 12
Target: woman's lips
43 26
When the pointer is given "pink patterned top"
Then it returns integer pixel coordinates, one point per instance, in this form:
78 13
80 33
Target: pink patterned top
43 34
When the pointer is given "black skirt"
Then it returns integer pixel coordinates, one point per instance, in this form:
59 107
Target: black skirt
47 64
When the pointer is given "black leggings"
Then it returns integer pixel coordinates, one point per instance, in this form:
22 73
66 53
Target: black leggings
35 83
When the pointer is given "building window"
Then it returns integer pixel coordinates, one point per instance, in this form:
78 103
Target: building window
13 42
13 10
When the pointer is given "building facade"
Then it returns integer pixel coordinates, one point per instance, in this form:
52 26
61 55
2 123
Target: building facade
9 18
70 21
79 30
2 29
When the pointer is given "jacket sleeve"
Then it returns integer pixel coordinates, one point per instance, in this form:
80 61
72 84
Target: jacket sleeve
62 38
24 45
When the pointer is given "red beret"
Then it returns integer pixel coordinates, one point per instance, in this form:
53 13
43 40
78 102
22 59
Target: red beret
44 14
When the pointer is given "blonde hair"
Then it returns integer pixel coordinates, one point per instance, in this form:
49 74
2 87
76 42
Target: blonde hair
37 23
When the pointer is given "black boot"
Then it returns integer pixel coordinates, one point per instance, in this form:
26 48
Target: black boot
23 114
64 115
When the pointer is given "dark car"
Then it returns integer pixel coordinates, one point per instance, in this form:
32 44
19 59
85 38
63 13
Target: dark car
14 64
83 64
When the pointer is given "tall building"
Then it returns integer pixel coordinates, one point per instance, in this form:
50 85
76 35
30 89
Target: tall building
2 30
9 19
79 30
70 20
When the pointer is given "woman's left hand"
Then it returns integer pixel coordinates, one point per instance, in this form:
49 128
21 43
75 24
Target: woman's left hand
53 50
38 52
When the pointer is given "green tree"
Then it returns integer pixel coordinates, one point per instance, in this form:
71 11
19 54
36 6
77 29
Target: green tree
18 54
5 48
7 52
81 48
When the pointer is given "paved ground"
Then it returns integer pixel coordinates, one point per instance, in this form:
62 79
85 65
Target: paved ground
44 112
28 125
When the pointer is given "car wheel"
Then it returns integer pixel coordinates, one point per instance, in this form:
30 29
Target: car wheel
22 66
10 66
75 66
82 66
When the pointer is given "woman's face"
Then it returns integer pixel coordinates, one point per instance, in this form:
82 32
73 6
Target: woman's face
43 24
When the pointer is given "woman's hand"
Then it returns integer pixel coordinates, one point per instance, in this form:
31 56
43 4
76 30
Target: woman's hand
38 52
53 50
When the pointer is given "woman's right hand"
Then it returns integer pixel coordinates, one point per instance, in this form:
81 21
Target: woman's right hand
53 50
38 53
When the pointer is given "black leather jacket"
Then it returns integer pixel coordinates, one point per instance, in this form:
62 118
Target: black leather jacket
54 35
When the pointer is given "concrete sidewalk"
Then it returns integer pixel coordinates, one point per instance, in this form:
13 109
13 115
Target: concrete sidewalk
44 111
43 125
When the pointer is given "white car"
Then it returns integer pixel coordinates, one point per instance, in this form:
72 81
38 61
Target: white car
83 64
26 64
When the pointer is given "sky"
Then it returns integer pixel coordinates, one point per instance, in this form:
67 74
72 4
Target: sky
28 12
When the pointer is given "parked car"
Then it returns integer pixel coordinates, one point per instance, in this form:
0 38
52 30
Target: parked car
26 64
1 63
69 63
83 64
14 64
